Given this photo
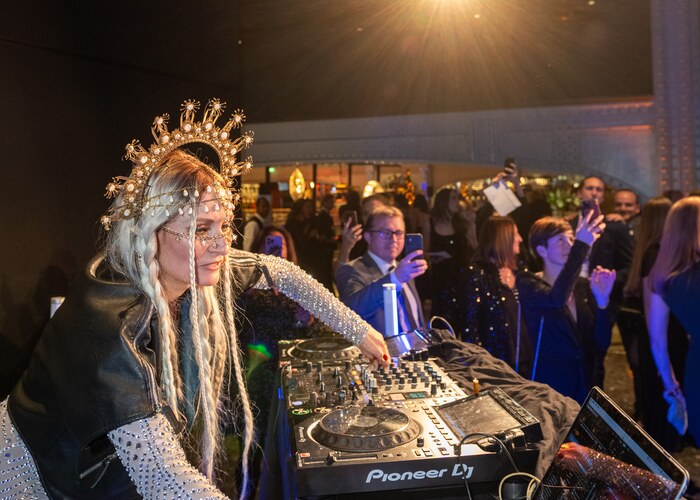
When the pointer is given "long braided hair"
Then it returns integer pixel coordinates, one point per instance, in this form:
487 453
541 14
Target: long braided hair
132 250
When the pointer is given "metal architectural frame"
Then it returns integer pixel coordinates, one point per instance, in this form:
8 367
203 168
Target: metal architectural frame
649 145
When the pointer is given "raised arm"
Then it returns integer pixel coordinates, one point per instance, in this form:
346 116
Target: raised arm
587 232
296 284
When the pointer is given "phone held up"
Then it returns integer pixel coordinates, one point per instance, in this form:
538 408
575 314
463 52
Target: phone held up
350 215
273 245
414 241
588 205
509 167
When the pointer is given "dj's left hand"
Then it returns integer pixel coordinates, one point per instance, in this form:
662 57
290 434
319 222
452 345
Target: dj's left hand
374 348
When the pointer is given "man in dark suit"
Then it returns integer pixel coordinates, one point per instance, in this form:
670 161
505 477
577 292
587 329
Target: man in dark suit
360 281
614 248
627 210
613 251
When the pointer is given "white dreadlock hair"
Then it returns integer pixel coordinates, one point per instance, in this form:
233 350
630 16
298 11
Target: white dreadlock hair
132 249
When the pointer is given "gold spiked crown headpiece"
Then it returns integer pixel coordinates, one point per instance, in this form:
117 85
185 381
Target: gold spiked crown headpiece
135 199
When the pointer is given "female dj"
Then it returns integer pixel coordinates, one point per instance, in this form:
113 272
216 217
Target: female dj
124 394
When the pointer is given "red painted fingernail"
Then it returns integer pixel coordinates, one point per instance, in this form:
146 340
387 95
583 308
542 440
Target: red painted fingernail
385 357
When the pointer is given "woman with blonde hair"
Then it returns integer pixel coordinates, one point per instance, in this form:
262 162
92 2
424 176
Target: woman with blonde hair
674 286
124 394
648 386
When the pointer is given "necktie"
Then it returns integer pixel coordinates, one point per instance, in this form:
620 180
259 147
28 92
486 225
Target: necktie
403 313
410 305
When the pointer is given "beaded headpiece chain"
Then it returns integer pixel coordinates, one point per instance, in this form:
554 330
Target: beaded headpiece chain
134 188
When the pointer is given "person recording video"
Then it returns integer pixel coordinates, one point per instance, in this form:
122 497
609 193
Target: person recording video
533 204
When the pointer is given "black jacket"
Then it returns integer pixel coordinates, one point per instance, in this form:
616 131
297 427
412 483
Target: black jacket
94 370
613 250
569 349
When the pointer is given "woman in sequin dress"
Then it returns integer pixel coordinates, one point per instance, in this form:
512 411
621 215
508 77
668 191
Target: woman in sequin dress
483 305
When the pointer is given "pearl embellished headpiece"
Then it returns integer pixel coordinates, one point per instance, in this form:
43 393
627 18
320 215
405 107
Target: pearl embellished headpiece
133 188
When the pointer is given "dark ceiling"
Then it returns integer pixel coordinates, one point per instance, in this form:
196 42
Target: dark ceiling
318 59
78 80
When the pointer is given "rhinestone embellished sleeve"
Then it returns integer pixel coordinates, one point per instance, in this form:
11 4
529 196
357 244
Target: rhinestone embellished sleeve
19 477
156 463
314 297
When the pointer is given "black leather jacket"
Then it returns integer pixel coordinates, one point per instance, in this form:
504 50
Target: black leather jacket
94 369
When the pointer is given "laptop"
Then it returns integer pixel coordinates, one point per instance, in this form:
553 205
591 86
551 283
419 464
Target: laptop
607 455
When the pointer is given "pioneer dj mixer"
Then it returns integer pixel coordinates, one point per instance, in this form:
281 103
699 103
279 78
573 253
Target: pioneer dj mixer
351 429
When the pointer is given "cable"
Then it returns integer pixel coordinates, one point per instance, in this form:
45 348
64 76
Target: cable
458 451
528 492
447 323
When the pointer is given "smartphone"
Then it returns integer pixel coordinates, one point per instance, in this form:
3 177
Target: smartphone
273 245
588 205
414 241
352 216
509 167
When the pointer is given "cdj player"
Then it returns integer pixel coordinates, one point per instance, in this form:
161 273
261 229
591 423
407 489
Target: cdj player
408 427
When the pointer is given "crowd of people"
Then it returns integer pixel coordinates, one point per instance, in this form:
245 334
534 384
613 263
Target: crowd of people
542 293
146 381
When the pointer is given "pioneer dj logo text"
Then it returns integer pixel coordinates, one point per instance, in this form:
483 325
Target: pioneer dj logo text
457 471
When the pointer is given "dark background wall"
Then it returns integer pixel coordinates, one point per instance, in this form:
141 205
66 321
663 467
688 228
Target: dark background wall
66 114
79 81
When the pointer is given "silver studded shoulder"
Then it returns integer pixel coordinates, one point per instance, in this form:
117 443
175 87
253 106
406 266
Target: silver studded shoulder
19 477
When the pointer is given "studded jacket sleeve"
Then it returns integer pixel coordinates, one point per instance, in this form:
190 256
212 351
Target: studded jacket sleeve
296 284
156 463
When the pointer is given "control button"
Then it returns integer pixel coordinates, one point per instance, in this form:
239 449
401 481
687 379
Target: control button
420 442
427 452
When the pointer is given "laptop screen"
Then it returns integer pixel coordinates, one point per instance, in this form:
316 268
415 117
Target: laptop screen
607 455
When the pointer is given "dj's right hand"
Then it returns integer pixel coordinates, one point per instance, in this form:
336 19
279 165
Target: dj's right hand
374 348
